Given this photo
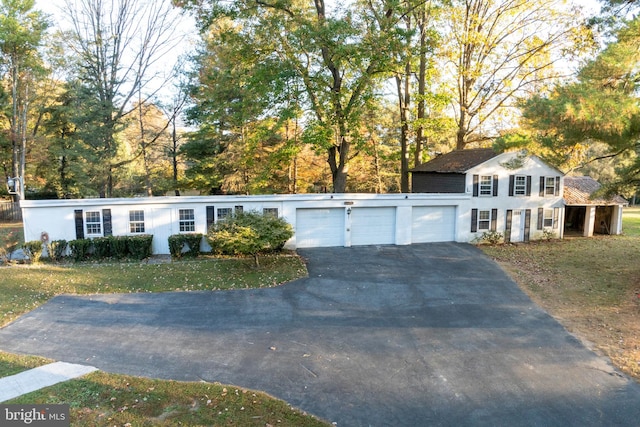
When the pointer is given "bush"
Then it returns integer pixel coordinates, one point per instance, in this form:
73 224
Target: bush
119 246
80 248
492 237
102 247
140 246
249 233
33 250
57 249
179 242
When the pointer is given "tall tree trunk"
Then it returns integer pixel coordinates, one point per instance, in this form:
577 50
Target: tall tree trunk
174 154
422 80
404 98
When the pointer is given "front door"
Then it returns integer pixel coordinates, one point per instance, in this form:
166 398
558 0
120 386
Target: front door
162 223
517 226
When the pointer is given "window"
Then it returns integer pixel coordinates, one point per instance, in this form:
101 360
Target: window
484 220
549 186
187 220
520 185
270 211
224 213
94 222
239 209
548 218
136 221
486 185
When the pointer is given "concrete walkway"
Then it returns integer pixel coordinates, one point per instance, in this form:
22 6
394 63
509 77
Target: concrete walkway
433 334
40 377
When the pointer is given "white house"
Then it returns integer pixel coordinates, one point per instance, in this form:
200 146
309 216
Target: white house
511 193
469 192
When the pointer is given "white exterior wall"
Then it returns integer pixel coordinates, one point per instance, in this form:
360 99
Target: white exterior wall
503 166
57 218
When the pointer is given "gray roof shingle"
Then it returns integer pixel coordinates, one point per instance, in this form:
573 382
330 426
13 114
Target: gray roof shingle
458 161
578 191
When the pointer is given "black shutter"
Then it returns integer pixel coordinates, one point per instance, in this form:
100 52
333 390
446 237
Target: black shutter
495 185
106 222
512 183
527 224
528 185
79 224
542 186
476 185
556 217
494 219
210 216
557 193
507 227
474 220
540 218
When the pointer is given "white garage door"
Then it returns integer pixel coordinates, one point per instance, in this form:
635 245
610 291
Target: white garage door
319 228
373 226
433 224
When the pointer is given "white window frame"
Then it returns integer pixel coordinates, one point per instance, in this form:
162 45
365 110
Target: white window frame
547 218
136 222
520 185
482 221
549 185
187 220
223 213
93 227
485 185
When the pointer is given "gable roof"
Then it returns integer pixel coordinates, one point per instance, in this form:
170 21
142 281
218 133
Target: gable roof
578 191
458 161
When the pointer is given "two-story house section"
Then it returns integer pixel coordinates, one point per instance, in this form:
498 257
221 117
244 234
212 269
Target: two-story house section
512 193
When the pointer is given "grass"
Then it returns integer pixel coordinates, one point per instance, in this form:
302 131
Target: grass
591 285
102 399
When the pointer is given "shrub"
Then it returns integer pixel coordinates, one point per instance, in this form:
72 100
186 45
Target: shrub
249 233
33 250
185 245
119 247
102 247
80 248
492 237
140 246
57 249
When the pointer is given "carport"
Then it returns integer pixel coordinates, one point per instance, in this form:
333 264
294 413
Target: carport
586 213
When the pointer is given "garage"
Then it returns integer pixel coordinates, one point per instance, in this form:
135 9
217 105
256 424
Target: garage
433 224
319 227
373 226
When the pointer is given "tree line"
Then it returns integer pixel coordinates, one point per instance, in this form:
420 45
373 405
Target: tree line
294 96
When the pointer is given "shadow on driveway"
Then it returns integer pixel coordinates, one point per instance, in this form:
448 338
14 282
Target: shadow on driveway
430 334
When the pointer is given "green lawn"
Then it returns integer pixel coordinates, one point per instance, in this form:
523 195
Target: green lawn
631 221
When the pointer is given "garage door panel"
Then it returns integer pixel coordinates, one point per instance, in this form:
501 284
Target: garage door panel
373 226
319 227
433 224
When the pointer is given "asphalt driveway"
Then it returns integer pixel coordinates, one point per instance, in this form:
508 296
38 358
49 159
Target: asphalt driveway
430 335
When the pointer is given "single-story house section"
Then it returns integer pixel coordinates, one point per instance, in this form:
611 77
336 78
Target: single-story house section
317 219
587 214
512 193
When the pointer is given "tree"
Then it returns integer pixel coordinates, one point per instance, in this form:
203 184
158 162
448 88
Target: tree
602 107
21 32
116 45
501 50
336 56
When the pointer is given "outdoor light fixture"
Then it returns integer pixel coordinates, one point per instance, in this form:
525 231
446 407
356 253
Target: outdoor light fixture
14 185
